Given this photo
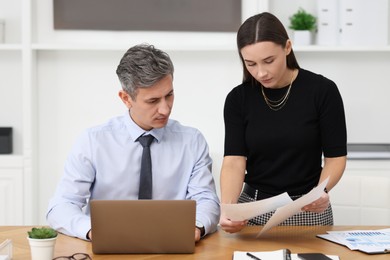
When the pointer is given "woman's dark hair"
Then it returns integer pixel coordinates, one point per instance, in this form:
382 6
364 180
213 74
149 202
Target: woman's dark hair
259 28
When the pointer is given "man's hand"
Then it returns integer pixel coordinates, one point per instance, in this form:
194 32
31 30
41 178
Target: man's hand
319 205
197 234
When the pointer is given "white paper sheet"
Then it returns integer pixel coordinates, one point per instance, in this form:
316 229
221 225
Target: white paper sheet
243 211
283 213
266 255
285 207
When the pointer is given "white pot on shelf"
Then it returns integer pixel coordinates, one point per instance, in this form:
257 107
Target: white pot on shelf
42 249
303 37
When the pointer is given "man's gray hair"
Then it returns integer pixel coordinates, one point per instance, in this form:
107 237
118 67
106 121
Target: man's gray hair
143 66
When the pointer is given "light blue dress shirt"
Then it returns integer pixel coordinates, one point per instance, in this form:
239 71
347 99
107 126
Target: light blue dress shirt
105 163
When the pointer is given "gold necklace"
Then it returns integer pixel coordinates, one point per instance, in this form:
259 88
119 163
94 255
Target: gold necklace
276 105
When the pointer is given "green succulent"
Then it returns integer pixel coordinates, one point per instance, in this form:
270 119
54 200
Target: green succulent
302 20
42 233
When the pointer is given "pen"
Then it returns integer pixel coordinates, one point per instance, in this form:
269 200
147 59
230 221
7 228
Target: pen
252 256
287 254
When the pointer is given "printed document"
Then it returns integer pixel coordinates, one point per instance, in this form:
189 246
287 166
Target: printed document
285 207
368 241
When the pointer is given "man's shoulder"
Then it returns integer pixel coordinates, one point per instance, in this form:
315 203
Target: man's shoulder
179 134
112 124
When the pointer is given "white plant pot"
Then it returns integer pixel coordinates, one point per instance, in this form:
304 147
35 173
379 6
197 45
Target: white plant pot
302 38
42 249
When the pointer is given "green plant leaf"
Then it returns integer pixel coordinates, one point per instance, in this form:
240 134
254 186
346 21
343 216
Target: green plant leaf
42 233
302 20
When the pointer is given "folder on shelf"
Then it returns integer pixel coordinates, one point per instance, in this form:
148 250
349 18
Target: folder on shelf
328 31
359 17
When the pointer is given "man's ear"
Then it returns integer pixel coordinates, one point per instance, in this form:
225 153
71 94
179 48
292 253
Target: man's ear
126 99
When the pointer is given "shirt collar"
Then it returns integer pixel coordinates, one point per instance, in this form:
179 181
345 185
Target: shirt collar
135 131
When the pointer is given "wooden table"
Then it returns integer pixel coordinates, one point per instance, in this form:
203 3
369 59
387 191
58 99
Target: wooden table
219 245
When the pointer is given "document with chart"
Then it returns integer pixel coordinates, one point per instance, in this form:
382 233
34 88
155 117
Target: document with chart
375 241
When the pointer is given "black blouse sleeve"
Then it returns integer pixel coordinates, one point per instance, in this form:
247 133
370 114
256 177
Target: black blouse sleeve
332 120
234 123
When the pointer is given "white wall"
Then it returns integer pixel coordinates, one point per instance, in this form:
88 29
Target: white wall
361 79
78 88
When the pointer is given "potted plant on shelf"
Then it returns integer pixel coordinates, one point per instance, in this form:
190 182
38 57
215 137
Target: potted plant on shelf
42 242
303 24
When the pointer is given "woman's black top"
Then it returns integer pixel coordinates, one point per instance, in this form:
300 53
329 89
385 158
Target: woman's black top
284 148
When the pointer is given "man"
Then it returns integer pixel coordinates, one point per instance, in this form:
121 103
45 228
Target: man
105 162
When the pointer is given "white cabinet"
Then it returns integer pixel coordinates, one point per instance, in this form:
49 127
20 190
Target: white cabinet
11 113
11 190
362 197
17 106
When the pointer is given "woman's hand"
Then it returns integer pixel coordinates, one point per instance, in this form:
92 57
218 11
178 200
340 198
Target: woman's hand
319 205
231 226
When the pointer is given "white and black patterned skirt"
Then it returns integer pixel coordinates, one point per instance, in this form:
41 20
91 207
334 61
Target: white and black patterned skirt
304 218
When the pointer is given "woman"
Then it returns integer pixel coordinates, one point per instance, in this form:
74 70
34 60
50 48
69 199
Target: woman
278 124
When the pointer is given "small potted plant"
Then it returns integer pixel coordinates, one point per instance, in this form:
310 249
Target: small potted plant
303 24
42 242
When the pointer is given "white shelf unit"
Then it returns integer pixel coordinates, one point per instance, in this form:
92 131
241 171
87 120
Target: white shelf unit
217 47
38 65
18 172
10 47
362 197
11 187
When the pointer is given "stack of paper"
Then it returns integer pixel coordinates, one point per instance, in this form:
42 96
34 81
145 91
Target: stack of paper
368 241
6 250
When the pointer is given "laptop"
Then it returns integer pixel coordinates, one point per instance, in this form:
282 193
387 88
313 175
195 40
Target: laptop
143 226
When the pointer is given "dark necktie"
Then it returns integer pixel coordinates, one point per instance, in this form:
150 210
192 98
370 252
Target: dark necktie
145 182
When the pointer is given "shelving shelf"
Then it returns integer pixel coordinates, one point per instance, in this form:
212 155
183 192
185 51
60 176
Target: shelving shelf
10 47
345 49
216 47
11 161
121 47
